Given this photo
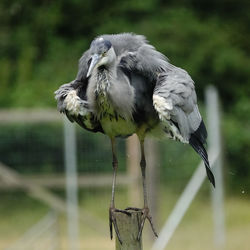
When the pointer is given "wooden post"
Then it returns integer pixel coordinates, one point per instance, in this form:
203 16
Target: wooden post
128 227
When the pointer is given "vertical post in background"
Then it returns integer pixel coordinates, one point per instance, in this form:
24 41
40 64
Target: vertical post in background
71 184
152 179
214 140
134 171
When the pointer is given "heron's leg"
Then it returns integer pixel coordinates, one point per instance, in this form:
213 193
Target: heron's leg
112 209
145 210
115 166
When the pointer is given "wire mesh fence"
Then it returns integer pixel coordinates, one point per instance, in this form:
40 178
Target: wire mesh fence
42 235
33 147
32 159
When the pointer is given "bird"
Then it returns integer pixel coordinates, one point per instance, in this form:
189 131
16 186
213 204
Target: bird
124 86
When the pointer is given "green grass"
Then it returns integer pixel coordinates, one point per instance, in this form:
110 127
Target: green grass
18 212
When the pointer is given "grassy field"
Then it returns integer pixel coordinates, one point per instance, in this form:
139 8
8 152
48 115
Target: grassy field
18 212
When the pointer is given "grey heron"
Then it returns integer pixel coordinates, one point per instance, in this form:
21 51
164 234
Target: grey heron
125 86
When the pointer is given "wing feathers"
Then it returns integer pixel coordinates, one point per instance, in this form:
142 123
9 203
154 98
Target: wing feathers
197 140
175 101
69 101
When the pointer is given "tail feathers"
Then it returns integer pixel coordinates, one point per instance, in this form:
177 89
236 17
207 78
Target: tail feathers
201 133
197 144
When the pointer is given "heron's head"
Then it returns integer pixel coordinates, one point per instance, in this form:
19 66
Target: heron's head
102 54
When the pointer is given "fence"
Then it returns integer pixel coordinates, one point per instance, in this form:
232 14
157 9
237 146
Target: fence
197 179
43 235
38 185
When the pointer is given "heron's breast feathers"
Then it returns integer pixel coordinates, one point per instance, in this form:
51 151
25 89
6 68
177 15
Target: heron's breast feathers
110 96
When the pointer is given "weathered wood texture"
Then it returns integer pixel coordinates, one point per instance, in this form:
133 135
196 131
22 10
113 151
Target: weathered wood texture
129 227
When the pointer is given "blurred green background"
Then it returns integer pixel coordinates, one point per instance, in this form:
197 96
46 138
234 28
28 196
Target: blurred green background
41 42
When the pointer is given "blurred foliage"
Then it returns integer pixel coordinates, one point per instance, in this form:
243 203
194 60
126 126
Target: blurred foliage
41 42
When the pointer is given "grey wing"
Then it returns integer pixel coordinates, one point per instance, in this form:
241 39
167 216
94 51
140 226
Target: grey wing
72 102
175 101
137 55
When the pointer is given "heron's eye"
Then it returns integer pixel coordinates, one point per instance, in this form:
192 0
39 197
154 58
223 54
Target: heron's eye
104 53
89 61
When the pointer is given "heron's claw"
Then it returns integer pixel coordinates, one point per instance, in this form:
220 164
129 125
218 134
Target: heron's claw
112 221
145 215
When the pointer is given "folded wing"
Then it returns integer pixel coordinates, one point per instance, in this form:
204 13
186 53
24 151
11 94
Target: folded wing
175 101
71 100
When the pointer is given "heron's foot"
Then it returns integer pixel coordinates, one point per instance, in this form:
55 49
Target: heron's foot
145 215
112 221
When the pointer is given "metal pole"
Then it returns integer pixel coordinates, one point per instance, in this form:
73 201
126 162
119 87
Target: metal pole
71 184
183 204
214 141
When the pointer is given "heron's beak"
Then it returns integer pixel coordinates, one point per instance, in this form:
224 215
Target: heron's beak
94 60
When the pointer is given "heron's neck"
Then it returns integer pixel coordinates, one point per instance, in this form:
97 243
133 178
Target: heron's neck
102 101
111 70
103 82
105 78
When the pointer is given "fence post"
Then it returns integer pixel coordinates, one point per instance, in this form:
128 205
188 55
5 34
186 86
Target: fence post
214 141
134 171
128 227
151 149
71 183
